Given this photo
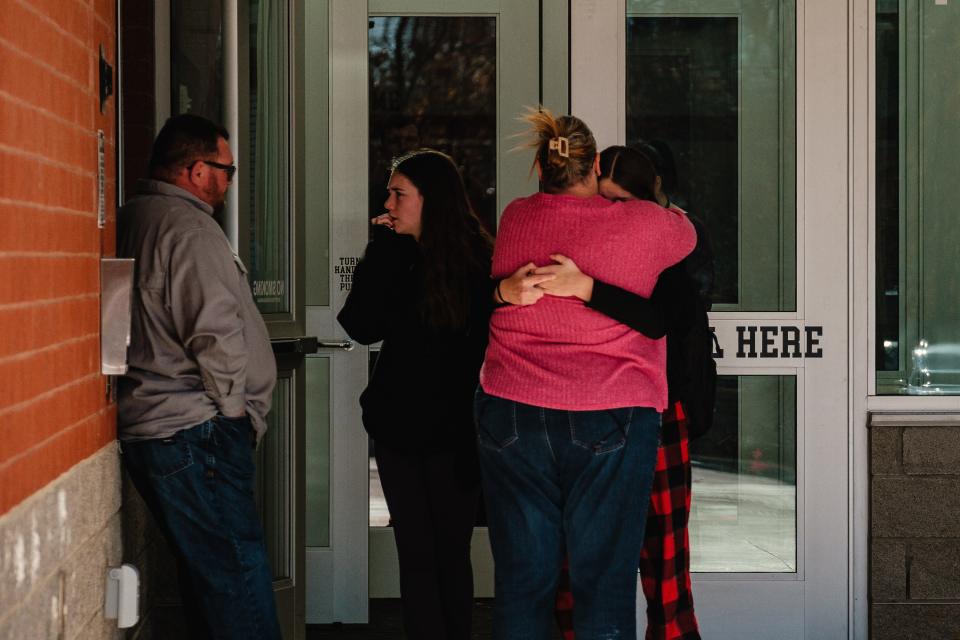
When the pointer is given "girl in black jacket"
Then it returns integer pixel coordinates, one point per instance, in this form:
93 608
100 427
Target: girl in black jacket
423 288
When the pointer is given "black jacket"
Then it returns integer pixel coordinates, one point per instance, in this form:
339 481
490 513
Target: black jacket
420 395
677 309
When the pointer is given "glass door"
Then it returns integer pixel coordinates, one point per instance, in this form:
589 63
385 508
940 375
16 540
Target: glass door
374 87
269 205
236 62
741 112
464 103
331 93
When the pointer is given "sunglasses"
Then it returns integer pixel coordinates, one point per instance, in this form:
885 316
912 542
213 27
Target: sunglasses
229 169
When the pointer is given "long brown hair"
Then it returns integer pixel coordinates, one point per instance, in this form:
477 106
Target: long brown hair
565 162
455 248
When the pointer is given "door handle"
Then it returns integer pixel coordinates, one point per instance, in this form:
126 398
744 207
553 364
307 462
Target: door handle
308 344
302 345
345 345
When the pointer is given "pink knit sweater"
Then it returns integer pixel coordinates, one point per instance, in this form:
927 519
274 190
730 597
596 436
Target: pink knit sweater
558 353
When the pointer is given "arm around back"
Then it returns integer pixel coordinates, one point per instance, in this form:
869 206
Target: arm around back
640 314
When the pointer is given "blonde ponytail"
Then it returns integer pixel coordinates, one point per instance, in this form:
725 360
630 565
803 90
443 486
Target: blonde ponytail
565 148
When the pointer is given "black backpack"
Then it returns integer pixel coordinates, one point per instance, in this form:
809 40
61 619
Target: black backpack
701 374
697 344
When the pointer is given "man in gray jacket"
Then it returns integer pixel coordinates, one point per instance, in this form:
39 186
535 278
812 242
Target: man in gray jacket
198 390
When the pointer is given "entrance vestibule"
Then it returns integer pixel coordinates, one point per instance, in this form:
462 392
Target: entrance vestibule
752 105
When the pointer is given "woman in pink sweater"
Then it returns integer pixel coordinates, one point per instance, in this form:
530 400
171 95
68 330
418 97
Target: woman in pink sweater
568 407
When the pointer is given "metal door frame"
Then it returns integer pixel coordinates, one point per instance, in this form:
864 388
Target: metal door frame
816 602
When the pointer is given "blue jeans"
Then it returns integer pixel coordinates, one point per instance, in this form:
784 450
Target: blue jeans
574 482
199 485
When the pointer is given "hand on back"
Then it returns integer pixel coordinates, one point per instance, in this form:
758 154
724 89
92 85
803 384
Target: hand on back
529 283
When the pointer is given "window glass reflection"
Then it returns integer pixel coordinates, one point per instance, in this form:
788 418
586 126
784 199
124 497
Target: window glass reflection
888 186
917 342
269 175
273 481
196 59
433 84
714 96
316 150
744 510
684 100
317 396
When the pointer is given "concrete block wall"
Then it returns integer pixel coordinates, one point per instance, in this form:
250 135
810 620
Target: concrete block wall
59 473
56 548
915 526
161 614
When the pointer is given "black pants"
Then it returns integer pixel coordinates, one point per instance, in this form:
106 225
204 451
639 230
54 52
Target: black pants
433 500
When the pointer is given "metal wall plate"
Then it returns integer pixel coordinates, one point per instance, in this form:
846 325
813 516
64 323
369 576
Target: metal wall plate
116 289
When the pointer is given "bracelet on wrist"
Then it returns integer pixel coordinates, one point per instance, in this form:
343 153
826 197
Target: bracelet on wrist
500 295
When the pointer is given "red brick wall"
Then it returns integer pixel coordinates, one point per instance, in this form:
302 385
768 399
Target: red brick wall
53 407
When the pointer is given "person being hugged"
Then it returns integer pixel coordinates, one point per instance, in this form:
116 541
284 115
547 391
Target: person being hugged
677 310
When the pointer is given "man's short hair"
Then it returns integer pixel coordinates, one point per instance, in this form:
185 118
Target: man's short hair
183 140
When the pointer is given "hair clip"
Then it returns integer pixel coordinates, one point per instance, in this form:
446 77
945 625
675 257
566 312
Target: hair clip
561 145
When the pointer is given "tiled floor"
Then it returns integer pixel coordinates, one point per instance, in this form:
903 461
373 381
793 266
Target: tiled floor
379 515
386 623
741 523
738 523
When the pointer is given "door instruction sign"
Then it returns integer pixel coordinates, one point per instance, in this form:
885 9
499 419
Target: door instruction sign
766 343
343 271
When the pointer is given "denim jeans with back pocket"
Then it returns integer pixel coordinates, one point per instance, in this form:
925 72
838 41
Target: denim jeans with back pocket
565 482
199 485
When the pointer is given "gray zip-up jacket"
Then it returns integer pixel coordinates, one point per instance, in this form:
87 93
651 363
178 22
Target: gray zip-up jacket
199 346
